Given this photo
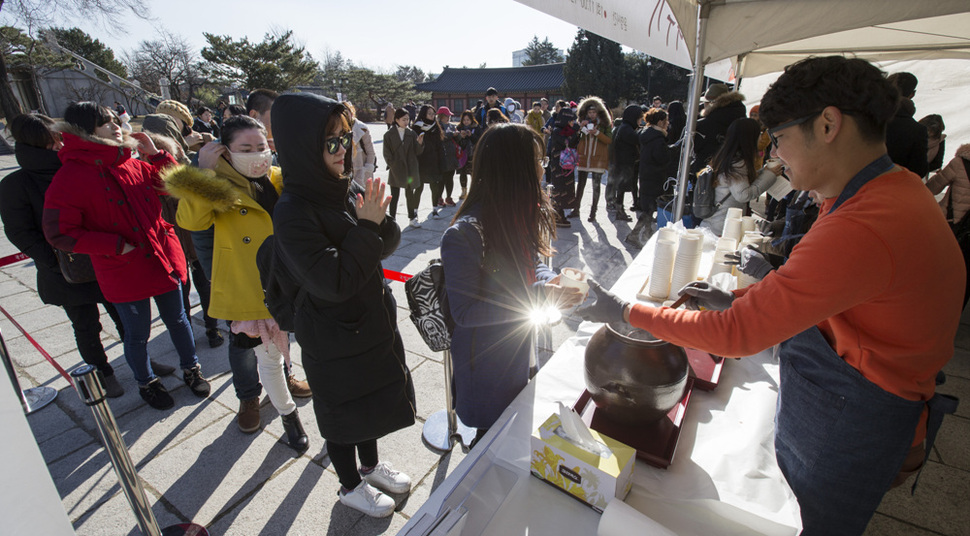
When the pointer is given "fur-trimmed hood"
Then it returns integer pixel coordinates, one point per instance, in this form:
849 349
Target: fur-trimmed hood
79 146
723 101
606 119
222 188
167 144
190 182
963 151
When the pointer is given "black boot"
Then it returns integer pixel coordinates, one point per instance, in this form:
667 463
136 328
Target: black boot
596 201
295 436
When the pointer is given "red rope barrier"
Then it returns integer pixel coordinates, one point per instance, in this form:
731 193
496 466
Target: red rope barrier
396 276
10 259
37 345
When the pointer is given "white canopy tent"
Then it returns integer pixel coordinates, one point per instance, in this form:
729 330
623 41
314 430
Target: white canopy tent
762 36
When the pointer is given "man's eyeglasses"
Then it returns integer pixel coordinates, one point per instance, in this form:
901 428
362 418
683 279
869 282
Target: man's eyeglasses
333 145
793 122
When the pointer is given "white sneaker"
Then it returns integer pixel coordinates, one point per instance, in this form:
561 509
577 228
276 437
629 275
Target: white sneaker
365 498
415 222
386 478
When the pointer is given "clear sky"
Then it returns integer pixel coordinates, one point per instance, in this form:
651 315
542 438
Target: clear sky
377 33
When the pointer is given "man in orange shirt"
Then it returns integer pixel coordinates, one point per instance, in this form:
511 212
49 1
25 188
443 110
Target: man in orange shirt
865 308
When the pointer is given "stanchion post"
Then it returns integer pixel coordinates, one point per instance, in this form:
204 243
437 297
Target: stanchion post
32 399
92 394
443 427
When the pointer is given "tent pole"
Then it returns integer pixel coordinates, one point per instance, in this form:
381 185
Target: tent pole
693 108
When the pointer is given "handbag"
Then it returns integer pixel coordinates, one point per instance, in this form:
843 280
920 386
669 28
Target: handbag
75 267
428 301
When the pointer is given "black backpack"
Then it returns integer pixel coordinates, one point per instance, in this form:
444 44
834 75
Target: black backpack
281 292
704 204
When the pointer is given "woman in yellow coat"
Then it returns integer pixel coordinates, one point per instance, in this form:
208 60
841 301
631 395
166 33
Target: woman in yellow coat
235 190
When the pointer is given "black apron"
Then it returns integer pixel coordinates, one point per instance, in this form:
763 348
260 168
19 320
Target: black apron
841 439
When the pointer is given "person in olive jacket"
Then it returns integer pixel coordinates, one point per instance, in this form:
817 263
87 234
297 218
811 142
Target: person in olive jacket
401 149
21 206
332 234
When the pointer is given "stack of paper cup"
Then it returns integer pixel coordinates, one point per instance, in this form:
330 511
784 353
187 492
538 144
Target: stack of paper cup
745 280
735 212
732 229
663 266
726 244
687 263
748 224
668 233
724 247
752 238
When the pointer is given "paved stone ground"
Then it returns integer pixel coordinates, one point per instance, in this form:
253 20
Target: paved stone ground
197 466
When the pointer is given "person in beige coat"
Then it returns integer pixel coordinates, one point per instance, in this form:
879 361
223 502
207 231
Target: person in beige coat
956 175
364 159
596 131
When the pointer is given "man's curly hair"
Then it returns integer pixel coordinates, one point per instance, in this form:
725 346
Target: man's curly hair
856 87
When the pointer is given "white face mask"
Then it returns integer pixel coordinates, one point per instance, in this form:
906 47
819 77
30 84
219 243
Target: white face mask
511 107
252 165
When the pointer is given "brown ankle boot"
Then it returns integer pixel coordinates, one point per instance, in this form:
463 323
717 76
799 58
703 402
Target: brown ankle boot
248 416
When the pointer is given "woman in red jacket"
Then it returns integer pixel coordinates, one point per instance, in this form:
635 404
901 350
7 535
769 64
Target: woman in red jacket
104 203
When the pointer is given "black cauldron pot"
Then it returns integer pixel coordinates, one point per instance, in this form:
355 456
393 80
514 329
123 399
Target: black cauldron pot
633 377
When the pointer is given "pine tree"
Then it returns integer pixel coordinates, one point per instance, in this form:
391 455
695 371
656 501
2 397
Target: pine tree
543 53
595 66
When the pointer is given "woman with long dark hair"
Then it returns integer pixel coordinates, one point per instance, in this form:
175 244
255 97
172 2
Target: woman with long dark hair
332 234
737 181
493 275
104 203
21 207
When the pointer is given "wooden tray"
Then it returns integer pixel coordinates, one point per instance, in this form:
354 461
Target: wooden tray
655 443
705 369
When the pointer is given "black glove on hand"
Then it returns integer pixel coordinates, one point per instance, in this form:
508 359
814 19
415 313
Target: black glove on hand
608 307
751 262
705 295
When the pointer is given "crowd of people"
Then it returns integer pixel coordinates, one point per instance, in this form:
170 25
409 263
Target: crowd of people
198 193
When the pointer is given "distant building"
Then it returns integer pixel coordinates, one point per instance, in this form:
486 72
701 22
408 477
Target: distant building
461 89
519 56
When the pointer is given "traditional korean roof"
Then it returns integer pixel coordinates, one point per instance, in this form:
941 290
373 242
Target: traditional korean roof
505 79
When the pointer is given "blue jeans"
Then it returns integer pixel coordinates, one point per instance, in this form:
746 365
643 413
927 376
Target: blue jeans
245 376
136 316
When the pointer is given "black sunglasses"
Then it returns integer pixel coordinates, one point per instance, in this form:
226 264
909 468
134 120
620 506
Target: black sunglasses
332 145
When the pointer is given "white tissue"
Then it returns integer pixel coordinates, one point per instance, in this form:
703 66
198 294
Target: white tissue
578 433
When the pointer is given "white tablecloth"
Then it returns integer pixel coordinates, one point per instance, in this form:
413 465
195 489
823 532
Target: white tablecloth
724 478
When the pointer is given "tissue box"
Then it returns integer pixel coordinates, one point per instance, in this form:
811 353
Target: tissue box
586 476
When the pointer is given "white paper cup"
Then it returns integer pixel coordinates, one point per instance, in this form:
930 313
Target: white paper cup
735 212
726 243
720 268
748 224
663 265
668 233
573 278
732 228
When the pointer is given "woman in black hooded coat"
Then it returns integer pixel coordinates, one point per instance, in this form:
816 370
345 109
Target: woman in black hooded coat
333 235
